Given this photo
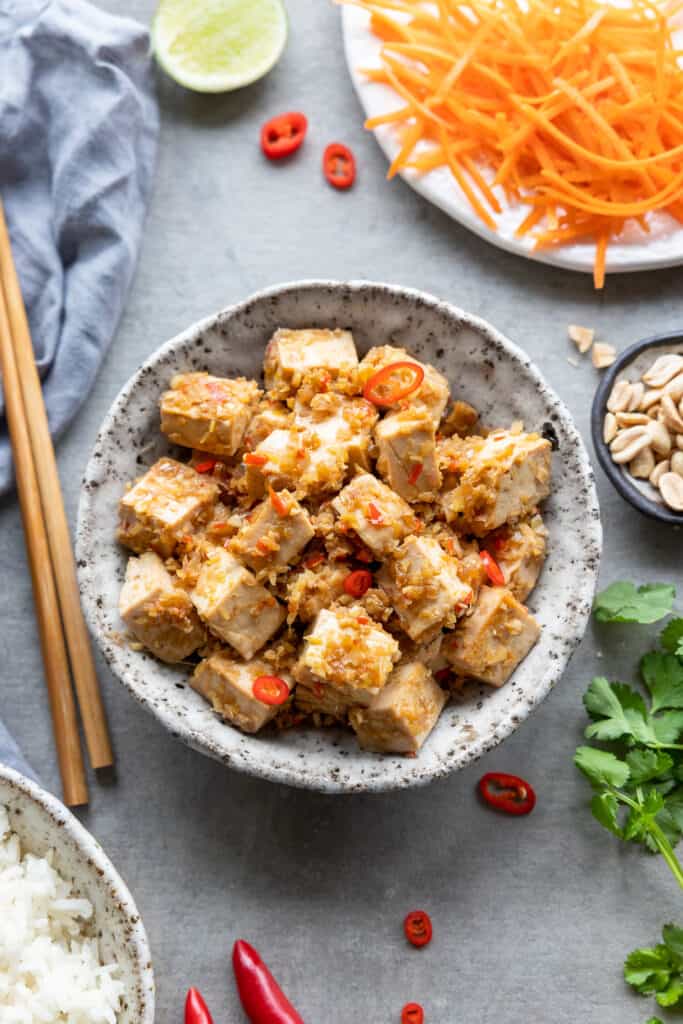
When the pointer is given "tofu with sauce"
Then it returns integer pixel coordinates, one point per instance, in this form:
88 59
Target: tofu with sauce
228 686
400 718
520 552
379 516
291 354
277 461
157 611
269 416
170 501
348 652
208 413
234 605
423 585
311 590
432 395
406 443
490 643
338 433
274 533
500 478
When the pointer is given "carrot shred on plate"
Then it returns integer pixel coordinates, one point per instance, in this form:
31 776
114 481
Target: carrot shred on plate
573 108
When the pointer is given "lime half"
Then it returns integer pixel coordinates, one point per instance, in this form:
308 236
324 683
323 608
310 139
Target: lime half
218 45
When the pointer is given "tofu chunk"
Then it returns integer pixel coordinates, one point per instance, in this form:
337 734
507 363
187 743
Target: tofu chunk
234 605
277 461
291 354
349 652
423 585
520 552
402 715
168 502
432 395
314 698
311 590
274 534
228 685
157 611
208 413
379 516
338 433
490 643
269 416
503 477
407 455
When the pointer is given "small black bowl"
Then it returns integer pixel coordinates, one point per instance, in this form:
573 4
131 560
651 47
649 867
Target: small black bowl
635 492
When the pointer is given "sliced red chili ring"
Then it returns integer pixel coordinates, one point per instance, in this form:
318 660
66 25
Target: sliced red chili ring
282 135
374 514
358 582
270 690
379 389
493 570
412 1013
507 793
418 928
339 165
206 467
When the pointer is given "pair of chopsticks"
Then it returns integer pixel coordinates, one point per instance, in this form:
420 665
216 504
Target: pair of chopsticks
48 545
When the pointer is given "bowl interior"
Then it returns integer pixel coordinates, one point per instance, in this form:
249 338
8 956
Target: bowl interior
42 824
633 363
483 368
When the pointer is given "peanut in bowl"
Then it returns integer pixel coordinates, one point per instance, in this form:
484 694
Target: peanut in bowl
481 368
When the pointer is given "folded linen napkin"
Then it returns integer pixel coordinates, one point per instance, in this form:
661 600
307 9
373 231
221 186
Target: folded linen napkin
78 131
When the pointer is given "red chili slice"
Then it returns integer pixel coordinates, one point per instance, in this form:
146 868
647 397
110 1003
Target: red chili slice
374 514
282 135
270 690
339 165
379 389
415 473
206 467
493 570
412 1013
418 928
507 793
358 583
254 459
279 504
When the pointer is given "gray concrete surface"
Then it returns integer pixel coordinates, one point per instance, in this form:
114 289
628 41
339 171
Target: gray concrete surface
532 917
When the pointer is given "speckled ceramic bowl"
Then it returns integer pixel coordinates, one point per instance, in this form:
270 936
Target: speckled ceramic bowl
483 367
43 823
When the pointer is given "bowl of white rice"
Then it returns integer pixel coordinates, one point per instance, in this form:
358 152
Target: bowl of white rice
73 949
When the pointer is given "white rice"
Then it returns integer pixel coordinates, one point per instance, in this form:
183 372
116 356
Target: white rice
50 970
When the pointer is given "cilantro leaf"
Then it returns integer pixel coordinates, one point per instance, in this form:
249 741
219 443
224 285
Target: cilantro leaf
605 807
608 705
645 765
663 675
642 817
622 602
654 1020
673 939
672 637
658 971
600 767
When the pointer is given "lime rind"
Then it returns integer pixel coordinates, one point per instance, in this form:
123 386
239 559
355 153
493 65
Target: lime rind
218 45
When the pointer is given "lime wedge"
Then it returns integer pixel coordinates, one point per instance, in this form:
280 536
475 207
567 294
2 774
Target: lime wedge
218 45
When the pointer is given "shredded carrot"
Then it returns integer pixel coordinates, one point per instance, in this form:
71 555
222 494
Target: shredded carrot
574 108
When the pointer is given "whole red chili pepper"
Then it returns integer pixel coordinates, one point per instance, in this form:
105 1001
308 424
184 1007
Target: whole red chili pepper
262 998
507 793
196 1010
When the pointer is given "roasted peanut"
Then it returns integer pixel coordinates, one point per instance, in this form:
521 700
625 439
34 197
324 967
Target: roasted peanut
671 490
620 397
663 370
660 438
658 471
629 442
677 463
642 465
609 428
670 414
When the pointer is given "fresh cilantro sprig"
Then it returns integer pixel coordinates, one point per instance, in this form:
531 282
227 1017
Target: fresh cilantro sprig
623 602
658 971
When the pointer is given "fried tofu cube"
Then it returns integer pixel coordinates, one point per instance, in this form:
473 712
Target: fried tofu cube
228 685
168 502
406 442
157 611
503 477
269 416
277 461
349 652
338 430
273 534
311 590
423 585
208 413
490 643
379 516
234 605
520 552
314 698
432 395
291 354
402 715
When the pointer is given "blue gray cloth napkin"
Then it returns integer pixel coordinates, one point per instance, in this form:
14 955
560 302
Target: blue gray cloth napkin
78 131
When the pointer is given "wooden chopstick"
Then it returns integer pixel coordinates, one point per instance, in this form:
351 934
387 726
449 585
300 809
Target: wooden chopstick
62 703
58 536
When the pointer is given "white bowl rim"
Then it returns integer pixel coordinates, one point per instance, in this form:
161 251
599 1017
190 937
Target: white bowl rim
281 773
116 889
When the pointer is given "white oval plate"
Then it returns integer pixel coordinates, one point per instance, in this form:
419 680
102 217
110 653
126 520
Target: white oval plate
663 247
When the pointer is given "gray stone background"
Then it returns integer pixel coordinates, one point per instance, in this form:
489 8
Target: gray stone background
532 917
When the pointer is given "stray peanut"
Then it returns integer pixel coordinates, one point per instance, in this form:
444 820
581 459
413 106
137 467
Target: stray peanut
603 355
581 336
